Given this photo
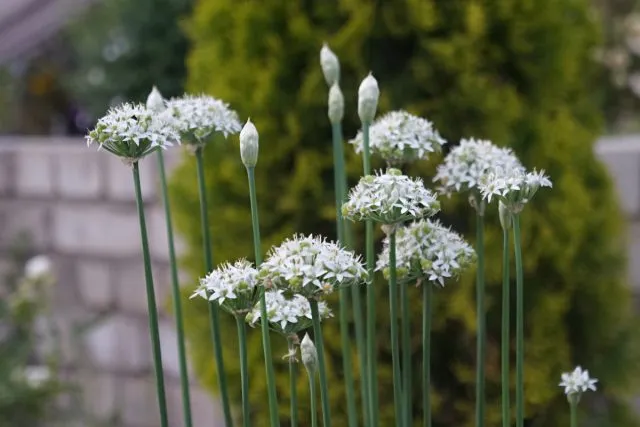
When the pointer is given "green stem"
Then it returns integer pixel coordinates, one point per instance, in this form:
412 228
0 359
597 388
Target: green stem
393 318
427 291
322 369
293 374
338 172
506 411
214 315
574 414
244 369
264 324
406 354
313 398
372 349
151 302
519 324
175 291
481 319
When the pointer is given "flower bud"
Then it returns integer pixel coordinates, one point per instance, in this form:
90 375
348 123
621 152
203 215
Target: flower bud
336 104
155 102
330 65
505 216
249 144
368 94
309 354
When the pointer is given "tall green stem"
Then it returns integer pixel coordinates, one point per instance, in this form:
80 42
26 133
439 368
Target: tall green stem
574 414
506 411
264 324
322 368
481 319
151 302
293 375
214 316
372 350
393 318
519 324
406 354
175 293
244 369
313 398
338 172
427 292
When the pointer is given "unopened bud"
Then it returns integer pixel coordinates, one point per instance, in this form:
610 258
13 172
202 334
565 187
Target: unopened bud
368 95
249 144
505 216
309 354
155 102
336 104
330 65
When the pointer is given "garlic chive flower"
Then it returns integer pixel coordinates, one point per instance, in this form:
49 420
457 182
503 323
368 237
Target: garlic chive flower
330 65
513 187
287 315
577 382
131 131
399 137
468 163
311 266
368 94
197 117
427 250
390 198
232 286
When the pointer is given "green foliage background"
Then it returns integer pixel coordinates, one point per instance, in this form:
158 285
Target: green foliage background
517 72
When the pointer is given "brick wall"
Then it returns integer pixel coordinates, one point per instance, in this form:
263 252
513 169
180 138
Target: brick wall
79 208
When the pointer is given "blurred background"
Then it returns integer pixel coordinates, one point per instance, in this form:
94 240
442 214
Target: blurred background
557 80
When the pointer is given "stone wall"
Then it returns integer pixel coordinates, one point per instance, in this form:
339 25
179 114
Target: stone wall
78 207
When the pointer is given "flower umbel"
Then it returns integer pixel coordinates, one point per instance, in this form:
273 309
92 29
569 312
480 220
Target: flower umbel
390 198
513 187
400 137
577 381
311 266
232 286
427 250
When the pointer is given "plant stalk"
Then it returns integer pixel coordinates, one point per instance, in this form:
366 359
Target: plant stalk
293 376
244 369
427 292
481 319
406 354
506 410
519 323
313 398
393 318
322 369
151 302
214 315
574 414
264 324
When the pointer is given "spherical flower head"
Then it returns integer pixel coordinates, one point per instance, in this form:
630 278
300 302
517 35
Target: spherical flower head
197 117
249 144
368 94
232 286
400 137
577 382
309 354
513 187
155 101
468 163
427 251
131 131
287 315
336 104
311 266
330 65
390 198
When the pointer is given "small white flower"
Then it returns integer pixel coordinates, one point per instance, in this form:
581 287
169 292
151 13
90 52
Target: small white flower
155 101
330 65
37 267
198 116
231 285
577 381
131 131
400 137
468 163
311 266
37 376
390 198
429 251
513 187
368 94
249 144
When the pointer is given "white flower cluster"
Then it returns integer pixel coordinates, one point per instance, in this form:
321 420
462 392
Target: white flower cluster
131 131
470 162
390 198
427 250
231 285
311 266
514 187
198 116
400 137
287 315
577 381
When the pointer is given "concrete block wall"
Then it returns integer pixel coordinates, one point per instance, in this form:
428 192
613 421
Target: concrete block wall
78 207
